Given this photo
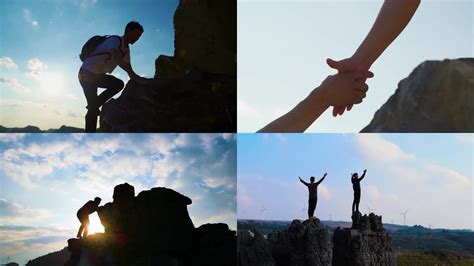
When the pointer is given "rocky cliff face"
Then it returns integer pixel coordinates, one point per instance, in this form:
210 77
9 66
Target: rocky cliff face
438 96
366 243
153 228
195 90
303 243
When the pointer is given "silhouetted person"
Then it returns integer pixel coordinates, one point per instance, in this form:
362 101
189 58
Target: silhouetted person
110 52
83 216
356 186
313 194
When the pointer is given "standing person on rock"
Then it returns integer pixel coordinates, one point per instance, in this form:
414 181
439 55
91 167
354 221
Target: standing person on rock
101 55
83 216
313 194
356 186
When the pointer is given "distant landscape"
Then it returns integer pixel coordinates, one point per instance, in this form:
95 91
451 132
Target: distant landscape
413 244
35 129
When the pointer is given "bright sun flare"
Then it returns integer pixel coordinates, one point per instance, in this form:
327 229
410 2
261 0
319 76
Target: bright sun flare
52 83
95 226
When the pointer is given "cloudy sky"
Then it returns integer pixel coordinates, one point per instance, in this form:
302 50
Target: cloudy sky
40 42
430 175
283 46
46 178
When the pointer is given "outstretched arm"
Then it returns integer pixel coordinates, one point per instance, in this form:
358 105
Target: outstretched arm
302 181
124 64
321 180
390 22
363 175
336 90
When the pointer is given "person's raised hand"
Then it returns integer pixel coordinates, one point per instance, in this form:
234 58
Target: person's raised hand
350 64
344 89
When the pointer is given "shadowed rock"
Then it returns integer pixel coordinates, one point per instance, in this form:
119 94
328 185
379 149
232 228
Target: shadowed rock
438 96
253 249
153 228
366 243
303 243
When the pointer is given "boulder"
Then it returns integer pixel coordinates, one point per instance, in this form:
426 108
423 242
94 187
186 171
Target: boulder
366 243
438 96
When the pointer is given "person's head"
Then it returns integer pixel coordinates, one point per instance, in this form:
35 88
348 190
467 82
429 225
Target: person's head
133 31
97 200
355 175
311 179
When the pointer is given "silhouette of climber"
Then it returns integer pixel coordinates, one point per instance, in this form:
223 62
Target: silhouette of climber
113 51
356 186
83 216
313 194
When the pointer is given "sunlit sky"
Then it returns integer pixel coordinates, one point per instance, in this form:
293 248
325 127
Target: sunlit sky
283 46
46 178
40 42
430 175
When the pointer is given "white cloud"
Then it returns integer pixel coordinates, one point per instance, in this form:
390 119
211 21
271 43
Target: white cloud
324 192
376 148
373 193
7 62
35 68
466 138
219 181
17 214
445 176
27 15
14 85
11 137
85 4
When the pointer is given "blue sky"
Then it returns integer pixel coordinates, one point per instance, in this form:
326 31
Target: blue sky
430 175
283 46
40 42
46 178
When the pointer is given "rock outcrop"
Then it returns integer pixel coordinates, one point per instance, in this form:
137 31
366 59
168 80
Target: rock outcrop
366 243
193 91
253 249
438 96
303 243
153 228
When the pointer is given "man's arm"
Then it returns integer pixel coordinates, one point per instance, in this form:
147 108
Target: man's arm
363 175
302 181
321 180
123 64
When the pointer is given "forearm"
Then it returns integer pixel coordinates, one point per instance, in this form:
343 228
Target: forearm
391 20
301 116
122 63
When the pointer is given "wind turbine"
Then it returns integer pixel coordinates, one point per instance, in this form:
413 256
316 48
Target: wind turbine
370 210
262 210
404 214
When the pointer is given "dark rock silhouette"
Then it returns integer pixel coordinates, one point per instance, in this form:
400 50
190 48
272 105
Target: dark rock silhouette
253 249
193 91
11 264
366 243
153 228
34 129
52 259
303 243
438 96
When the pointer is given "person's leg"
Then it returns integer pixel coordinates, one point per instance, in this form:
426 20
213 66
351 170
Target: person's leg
312 207
79 233
86 226
112 85
357 201
87 81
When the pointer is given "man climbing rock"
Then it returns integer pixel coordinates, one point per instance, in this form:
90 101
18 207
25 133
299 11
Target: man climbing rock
356 186
101 55
83 216
313 194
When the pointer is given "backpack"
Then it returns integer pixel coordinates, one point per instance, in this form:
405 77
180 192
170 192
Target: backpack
89 47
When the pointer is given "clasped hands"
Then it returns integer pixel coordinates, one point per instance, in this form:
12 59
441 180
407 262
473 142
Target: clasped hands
347 87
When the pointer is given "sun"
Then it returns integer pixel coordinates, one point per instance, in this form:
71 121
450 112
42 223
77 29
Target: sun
52 83
95 226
